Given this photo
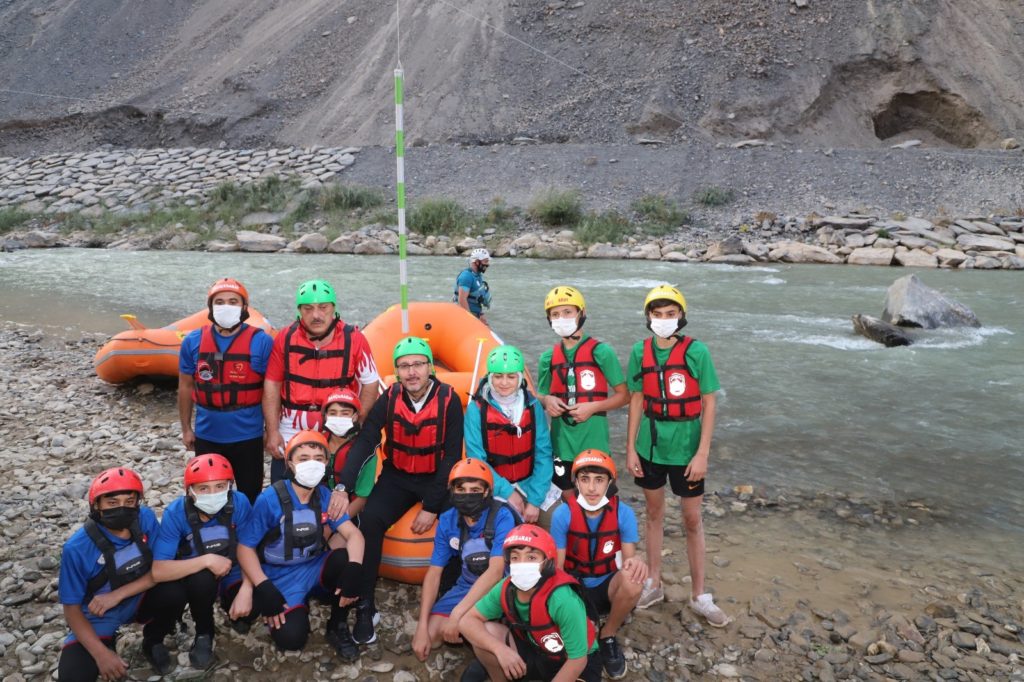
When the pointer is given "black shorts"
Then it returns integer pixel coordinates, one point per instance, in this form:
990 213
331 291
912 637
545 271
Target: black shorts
598 596
540 667
564 479
654 476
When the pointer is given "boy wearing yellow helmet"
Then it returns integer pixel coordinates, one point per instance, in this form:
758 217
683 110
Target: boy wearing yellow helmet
671 420
574 380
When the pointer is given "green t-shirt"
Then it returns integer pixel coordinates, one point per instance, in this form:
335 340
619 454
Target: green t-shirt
566 609
568 440
677 441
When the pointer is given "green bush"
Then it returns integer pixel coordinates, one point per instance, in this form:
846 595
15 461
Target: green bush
345 197
11 218
713 196
658 215
557 207
438 216
609 226
500 215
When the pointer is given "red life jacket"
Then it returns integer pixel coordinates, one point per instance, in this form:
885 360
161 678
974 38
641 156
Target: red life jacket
226 381
590 386
310 373
509 449
671 392
592 553
541 631
415 440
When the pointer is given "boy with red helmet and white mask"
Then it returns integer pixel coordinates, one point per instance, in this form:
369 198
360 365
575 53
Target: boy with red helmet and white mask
341 425
549 634
672 413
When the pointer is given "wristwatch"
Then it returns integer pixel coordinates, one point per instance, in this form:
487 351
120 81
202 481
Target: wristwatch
339 488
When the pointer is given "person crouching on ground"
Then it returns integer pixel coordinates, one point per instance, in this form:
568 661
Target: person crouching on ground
195 551
104 572
596 536
467 550
506 427
671 420
284 551
341 422
549 634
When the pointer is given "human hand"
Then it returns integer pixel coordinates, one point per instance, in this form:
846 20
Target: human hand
531 513
241 605
635 570
511 662
697 469
450 631
111 666
554 407
274 444
219 565
517 502
102 603
188 438
423 522
633 462
421 642
581 412
338 504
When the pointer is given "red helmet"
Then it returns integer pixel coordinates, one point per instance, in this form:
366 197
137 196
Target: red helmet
115 480
529 535
345 396
471 468
206 468
228 284
305 438
592 457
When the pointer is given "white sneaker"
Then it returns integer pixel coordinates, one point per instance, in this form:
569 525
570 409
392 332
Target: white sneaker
651 595
704 605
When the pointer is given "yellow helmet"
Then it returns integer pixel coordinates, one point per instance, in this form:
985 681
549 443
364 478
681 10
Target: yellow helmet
665 292
564 296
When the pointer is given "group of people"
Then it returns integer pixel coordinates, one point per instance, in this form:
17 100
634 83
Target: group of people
535 562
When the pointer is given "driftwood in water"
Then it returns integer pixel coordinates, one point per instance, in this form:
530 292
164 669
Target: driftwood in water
878 330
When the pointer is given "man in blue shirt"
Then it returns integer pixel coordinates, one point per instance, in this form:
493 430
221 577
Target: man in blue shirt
220 371
471 291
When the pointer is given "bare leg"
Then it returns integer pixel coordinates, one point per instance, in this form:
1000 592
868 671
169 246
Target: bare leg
655 531
695 546
489 660
623 595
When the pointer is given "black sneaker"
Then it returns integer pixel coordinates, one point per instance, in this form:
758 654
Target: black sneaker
340 638
612 658
158 656
201 655
475 673
241 625
367 618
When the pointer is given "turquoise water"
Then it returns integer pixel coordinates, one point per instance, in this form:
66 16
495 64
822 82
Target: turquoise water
805 402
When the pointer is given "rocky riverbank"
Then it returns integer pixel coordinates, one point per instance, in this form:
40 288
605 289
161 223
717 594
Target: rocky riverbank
822 585
108 199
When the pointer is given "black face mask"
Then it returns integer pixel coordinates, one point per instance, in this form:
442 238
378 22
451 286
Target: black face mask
481 268
116 518
471 504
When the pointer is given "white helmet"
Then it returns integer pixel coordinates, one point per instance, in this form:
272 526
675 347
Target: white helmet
479 254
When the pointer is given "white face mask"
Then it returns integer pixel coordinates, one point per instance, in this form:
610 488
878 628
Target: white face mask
211 503
309 473
227 316
339 426
565 326
524 575
591 507
664 328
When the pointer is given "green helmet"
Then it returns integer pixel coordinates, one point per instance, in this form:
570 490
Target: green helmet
412 345
505 360
315 291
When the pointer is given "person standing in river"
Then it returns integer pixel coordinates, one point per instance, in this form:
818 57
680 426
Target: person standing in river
671 420
471 291
220 372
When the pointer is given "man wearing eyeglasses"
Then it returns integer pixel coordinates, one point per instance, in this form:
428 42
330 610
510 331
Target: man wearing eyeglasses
422 419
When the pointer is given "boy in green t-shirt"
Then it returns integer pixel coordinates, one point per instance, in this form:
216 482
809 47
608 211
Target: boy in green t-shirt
545 631
671 420
573 383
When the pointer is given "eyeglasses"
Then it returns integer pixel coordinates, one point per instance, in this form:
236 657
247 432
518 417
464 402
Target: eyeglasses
412 365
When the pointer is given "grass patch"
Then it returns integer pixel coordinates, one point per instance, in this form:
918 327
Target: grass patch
883 233
439 216
230 202
713 196
501 216
11 218
609 226
557 207
658 215
346 198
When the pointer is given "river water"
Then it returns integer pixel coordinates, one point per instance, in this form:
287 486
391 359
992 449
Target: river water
805 403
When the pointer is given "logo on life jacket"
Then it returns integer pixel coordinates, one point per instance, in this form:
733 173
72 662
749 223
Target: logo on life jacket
237 371
552 642
676 384
204 371
588 380
609 547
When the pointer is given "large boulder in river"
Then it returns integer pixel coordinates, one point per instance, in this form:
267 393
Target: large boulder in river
258 242
910 303
798 252
888 335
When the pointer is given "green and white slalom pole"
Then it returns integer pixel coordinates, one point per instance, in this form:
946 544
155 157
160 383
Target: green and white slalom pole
403 274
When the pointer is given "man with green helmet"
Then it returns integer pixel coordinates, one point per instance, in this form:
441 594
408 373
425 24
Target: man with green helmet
316 355
506 427
422 419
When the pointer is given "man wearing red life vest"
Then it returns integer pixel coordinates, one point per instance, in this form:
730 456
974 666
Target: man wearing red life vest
422 419
545 631
316 355
220 372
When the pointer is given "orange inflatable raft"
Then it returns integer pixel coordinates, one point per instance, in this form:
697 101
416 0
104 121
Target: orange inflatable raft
460 343
141 351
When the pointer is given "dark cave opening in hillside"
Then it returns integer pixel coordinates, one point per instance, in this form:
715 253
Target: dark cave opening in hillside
945 115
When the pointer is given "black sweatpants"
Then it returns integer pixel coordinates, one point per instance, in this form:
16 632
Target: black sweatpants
292 635
246 457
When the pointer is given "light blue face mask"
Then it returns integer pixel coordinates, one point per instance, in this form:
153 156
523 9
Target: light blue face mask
211 503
